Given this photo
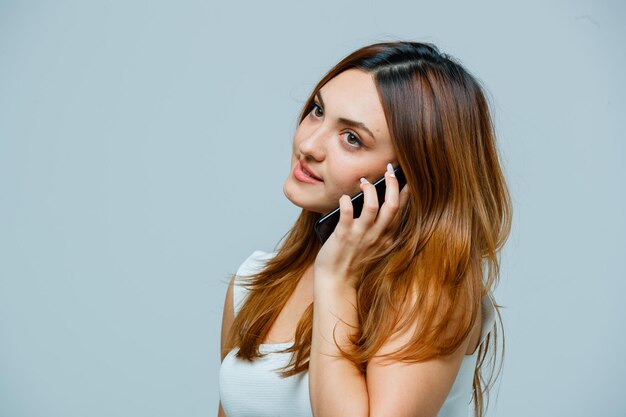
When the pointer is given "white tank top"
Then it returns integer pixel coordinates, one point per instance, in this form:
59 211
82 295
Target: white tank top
254 389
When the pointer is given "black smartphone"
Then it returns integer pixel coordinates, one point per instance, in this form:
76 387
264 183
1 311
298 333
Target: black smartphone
326 225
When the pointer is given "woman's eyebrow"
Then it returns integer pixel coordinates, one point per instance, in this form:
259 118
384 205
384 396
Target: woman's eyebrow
348 122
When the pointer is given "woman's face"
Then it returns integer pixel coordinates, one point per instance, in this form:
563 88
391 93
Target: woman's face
334 149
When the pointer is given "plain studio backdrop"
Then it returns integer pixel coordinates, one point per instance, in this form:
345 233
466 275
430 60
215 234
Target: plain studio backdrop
143 150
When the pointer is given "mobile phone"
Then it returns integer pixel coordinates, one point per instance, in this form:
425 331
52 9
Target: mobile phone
326 225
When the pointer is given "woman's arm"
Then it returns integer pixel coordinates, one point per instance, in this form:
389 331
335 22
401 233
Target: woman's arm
337 386
412 389
227 320
392 388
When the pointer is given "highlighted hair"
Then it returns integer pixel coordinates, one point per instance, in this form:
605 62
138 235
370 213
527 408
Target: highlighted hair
444 256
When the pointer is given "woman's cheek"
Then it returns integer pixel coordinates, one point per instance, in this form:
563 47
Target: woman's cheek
350 187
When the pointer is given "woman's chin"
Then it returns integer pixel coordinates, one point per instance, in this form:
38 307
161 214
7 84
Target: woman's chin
310 207
309 204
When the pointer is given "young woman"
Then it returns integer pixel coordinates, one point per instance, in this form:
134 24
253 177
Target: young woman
393 314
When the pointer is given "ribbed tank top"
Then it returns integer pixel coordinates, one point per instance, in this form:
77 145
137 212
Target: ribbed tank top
254 389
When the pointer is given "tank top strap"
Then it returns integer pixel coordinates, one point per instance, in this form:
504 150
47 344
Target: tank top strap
488 316
252 265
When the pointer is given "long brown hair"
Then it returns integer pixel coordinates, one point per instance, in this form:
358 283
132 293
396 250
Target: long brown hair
444 257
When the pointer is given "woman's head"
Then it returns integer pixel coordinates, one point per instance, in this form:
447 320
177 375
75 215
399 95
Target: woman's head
343 137
426 112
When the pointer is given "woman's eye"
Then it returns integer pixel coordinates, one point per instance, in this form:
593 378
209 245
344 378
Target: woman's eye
353 140
315 110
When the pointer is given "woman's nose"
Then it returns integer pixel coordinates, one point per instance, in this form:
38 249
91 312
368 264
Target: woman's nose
313 145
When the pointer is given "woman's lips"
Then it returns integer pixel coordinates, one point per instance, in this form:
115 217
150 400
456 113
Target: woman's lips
302 176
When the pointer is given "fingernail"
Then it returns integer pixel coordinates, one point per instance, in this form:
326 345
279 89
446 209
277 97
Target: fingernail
363 180
390 169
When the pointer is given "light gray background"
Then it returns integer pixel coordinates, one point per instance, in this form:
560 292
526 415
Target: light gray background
143 148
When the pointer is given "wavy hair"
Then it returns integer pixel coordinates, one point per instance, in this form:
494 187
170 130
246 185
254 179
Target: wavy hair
445 254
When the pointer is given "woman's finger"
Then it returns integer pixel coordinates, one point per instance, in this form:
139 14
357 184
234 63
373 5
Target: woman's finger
404 198
390 207
345 215
370 206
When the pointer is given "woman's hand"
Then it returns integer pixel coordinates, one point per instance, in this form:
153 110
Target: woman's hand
353 239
